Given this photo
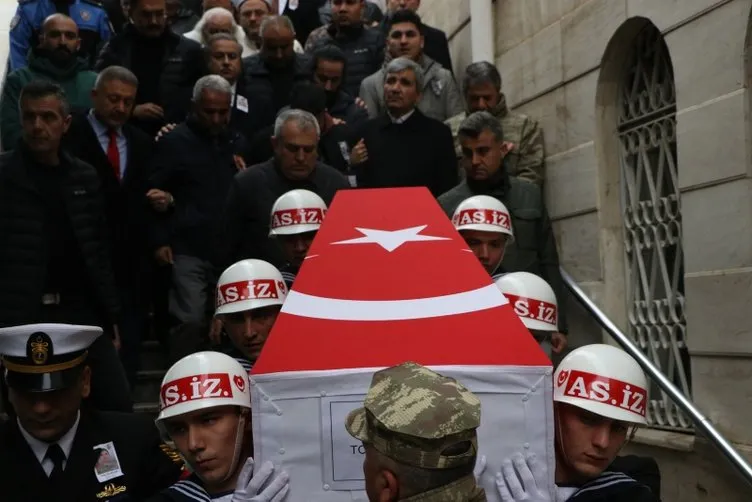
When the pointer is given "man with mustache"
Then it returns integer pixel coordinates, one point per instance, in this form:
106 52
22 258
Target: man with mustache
440 98
253 192
329 70
484 152
403 147
363 46
56 60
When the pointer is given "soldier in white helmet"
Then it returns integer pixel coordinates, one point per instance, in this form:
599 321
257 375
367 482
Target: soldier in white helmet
534 302
296 217
486 226
250 294
205 410
600 396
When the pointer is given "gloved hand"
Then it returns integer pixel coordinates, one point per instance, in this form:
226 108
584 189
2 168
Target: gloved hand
480 467
532 474
249 484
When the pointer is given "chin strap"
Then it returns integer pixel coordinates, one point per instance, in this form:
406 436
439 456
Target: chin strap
239 434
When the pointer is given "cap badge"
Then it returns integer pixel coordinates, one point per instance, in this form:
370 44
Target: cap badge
38 348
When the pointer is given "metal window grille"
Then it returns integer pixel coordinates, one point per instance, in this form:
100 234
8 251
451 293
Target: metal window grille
651 211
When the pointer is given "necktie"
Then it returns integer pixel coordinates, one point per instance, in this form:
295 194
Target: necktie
113 153
55 453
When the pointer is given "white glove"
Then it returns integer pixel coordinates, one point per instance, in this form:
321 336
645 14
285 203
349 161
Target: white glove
249 484
532 474
480 467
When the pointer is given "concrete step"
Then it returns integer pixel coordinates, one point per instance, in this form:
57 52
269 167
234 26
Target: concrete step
147 408
147 386
153 356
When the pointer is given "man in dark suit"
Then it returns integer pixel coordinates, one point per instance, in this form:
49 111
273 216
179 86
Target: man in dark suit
120 153
403 147
58 451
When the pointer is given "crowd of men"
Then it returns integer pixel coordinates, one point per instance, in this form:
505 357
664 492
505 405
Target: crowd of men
159 156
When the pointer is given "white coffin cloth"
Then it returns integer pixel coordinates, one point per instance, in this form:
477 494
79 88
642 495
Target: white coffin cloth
298 423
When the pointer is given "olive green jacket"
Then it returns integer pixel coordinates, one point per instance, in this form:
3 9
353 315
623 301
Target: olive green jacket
463 490
527 158
534 247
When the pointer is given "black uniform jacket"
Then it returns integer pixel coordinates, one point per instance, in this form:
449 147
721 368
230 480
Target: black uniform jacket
613 487
148 466
186 490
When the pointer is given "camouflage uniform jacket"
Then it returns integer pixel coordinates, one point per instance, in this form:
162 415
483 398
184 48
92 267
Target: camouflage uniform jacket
526 160
534 247
462 490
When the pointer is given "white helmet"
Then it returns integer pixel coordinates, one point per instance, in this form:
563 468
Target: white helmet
604 380
533 300
248 285
297 212
203 380
484 213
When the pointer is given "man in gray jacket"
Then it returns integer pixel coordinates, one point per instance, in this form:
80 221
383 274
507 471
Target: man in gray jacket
440 98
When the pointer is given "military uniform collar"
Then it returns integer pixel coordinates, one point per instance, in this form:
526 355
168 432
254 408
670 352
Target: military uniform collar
463 490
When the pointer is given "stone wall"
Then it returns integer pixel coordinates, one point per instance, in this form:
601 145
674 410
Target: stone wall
556 58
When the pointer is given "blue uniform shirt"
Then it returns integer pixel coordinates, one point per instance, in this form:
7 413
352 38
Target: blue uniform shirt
93 26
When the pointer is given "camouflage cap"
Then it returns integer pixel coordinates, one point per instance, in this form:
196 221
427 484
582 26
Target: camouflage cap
415 416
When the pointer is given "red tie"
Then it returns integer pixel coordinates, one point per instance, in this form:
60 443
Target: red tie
113 154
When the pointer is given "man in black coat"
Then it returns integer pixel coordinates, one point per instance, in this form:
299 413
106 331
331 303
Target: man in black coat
195 164
333 149
270 74
363 46
57 450
253 192
54 252
403 147
329 70
121 154
166 64
249 113
436 45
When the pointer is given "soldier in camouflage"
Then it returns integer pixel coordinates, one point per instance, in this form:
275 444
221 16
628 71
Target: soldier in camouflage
419 433
481 88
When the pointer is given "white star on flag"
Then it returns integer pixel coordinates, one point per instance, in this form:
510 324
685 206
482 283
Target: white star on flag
391 239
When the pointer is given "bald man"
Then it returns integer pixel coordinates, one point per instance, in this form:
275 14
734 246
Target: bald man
54 59
88 15
271 74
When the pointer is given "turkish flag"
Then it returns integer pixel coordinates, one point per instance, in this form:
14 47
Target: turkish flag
388 279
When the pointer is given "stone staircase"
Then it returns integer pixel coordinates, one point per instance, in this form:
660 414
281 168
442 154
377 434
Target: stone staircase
149 378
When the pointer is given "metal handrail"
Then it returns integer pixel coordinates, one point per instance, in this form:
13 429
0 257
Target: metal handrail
700 421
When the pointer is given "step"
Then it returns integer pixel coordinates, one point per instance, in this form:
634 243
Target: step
147 408
147 387
153 356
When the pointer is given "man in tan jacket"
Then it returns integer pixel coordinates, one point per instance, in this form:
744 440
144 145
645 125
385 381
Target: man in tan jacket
481 88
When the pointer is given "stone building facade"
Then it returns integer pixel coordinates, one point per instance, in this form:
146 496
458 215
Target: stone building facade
644 106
